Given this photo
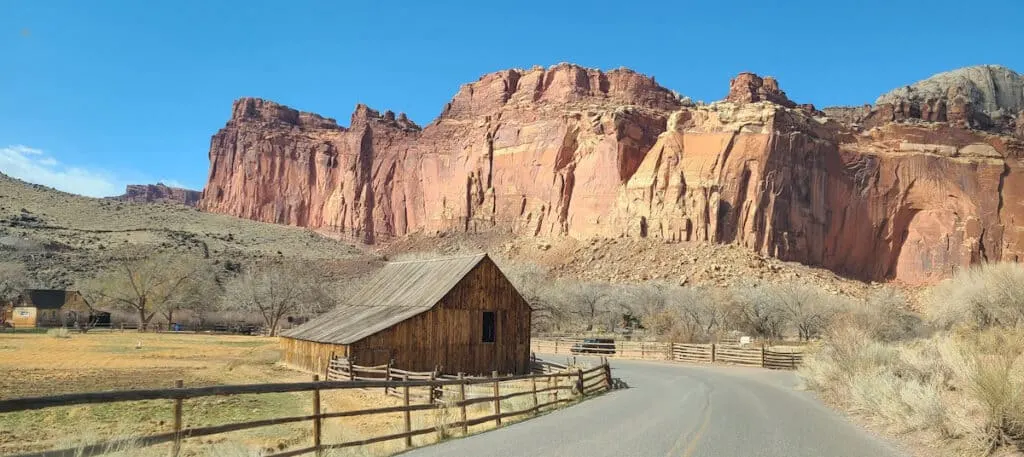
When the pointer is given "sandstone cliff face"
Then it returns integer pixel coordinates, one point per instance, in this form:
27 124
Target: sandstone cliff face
159 193
275 164
508 149
926 200
868 192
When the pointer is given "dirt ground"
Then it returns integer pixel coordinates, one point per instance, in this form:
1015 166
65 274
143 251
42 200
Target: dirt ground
39 364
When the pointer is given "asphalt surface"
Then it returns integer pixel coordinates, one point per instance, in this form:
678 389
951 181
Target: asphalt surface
677 410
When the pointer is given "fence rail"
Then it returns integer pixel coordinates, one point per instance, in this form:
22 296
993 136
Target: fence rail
679 352
561 383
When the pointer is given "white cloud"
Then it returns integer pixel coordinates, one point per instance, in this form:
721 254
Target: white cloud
35 166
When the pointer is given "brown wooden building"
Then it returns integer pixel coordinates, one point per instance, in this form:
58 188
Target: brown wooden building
49 308
458 314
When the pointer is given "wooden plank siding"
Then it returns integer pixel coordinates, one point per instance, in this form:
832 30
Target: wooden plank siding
309 355
447 336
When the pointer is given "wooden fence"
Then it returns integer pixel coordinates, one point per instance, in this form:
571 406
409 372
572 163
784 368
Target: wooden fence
342 369
561 387
678 352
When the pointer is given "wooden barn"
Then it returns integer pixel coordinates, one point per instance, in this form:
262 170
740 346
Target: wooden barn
50 308
457 314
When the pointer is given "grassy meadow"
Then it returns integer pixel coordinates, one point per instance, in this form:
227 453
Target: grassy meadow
39 364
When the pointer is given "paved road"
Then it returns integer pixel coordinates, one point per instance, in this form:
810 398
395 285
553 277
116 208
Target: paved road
675 410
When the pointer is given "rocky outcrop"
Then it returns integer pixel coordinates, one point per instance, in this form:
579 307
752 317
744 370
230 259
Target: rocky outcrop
749 88
981 97
866 191
159 193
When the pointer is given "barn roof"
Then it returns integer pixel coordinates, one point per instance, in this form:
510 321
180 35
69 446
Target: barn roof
397 292
49 298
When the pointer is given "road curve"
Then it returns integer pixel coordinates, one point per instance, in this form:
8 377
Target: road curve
676 410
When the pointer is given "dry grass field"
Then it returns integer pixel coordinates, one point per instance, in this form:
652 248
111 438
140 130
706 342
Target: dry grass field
38 364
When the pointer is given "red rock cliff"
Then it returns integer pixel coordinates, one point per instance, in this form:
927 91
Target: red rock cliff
159 193
508 149
578 152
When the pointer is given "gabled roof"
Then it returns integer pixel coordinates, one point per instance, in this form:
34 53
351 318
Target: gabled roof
49 298
397 292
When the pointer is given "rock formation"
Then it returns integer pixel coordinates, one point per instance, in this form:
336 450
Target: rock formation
911 188
159 193
982 97
749 88
508 149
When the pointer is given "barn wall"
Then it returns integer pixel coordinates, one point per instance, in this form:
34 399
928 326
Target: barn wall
449 336
309 355
23 317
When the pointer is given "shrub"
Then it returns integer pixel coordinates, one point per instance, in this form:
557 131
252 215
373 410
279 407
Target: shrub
965 388
990 295
59 333
884 315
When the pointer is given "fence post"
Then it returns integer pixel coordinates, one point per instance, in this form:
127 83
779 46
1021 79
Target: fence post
462 404
176 447
556 342
672 351
533 387
316 417
792 361
497 401
579 381
642 354
430 389
408 414
387 374
713 351
607 374
762 356
351 371
554 380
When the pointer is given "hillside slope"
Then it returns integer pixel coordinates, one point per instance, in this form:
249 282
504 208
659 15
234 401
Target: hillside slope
63 237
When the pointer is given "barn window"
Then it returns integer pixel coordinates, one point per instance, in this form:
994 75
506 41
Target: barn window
489 328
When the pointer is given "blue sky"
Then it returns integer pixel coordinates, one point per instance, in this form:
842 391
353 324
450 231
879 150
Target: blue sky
96 94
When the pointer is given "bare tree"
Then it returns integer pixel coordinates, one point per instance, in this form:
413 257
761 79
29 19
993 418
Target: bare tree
148 284
758 311
200 294
13 280
585 300
805 307
276 290
648 299
535 286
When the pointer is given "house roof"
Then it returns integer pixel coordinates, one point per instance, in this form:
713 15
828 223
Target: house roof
48 298
397 292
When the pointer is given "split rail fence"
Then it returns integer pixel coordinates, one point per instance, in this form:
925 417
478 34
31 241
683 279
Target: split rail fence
559 384
677 352
342 369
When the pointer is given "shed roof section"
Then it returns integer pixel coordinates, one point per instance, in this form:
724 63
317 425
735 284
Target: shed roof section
397 292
